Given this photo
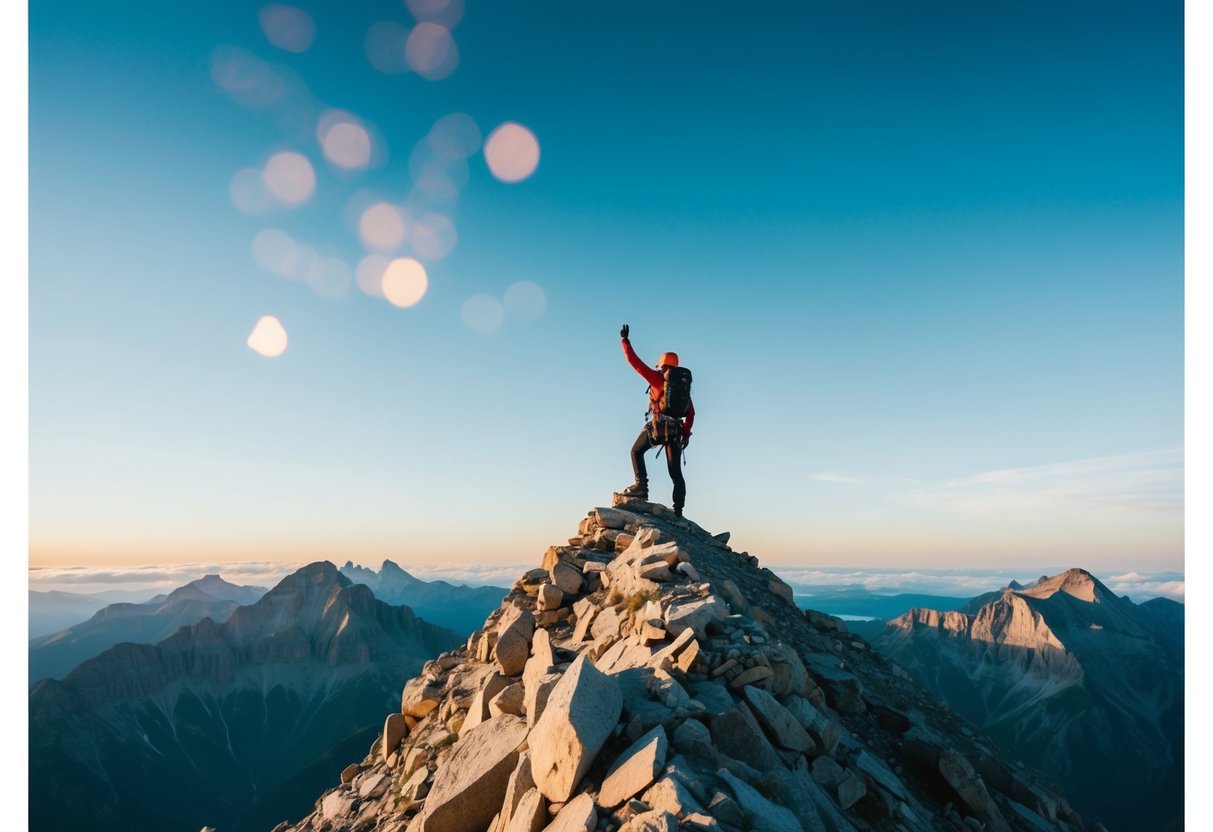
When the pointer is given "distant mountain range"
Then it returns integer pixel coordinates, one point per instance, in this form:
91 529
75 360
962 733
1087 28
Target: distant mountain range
1069 677
54 655
53 610
863 602
235 724
457 607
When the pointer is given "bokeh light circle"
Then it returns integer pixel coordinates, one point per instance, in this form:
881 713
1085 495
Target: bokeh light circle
250 81
248 192
287 27
268 337
431 52
454 137
434 236
289 176
404 282
384 47
369 274
276 252
512 152
345 141
445 12
382 226
482 313
329 277
525 300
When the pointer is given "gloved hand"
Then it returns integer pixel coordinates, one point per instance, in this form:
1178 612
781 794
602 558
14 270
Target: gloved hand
623 333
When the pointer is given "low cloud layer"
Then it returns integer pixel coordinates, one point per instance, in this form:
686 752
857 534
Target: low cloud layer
957 583
969 583
166 577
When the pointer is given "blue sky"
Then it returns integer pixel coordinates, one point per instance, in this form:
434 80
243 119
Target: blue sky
927 265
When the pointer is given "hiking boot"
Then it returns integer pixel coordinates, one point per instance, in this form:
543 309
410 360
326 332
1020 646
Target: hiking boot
639 490
677 511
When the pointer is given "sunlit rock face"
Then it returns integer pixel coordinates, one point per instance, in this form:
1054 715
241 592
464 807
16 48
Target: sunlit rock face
234 724
1069 677
645 676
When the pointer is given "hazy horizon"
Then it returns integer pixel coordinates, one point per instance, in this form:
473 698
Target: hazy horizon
950 582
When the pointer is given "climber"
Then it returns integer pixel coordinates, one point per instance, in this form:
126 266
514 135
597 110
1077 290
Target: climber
672 414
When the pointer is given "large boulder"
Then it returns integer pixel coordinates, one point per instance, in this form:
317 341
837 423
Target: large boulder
634 769
468 790
580 714
514 640
578 815
765 816
698 615
778 721
530 814
394 730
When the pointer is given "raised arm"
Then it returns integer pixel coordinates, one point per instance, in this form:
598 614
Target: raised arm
652 376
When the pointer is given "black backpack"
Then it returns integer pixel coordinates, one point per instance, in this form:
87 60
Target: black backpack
675 397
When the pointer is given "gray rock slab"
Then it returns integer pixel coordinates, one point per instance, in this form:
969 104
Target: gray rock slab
668 794
468 789
736 733
578 815
530 814
780 724
634 769
700 615
514 640
582 711
878 771
765 816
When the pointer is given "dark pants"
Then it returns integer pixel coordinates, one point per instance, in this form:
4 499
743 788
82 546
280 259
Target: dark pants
673 460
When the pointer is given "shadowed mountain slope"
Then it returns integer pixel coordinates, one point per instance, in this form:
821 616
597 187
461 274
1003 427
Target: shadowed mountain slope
456 607
229 724
1069 677
54 655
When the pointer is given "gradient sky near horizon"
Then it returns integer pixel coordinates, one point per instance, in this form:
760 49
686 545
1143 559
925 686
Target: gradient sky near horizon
926 263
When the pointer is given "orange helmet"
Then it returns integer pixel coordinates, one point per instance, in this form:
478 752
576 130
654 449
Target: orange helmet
668 359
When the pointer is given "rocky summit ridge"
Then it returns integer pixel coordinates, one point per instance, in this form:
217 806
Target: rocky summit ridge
648 678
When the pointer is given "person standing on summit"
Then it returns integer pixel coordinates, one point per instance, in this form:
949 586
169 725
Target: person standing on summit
672 414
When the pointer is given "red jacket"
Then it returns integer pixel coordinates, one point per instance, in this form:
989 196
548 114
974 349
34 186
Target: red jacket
656 381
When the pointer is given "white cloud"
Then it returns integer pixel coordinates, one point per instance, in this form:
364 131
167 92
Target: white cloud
959 583
1141 587
166 577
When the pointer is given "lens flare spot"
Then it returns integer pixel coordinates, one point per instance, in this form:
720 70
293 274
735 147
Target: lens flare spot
268 337
382 226
525 300
404 282
446 12
329 277
248 192
250 81
483 313
287 27
344 139
434 236
454 137
512 152
431 51
276 252
289 176
369 274
384 47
